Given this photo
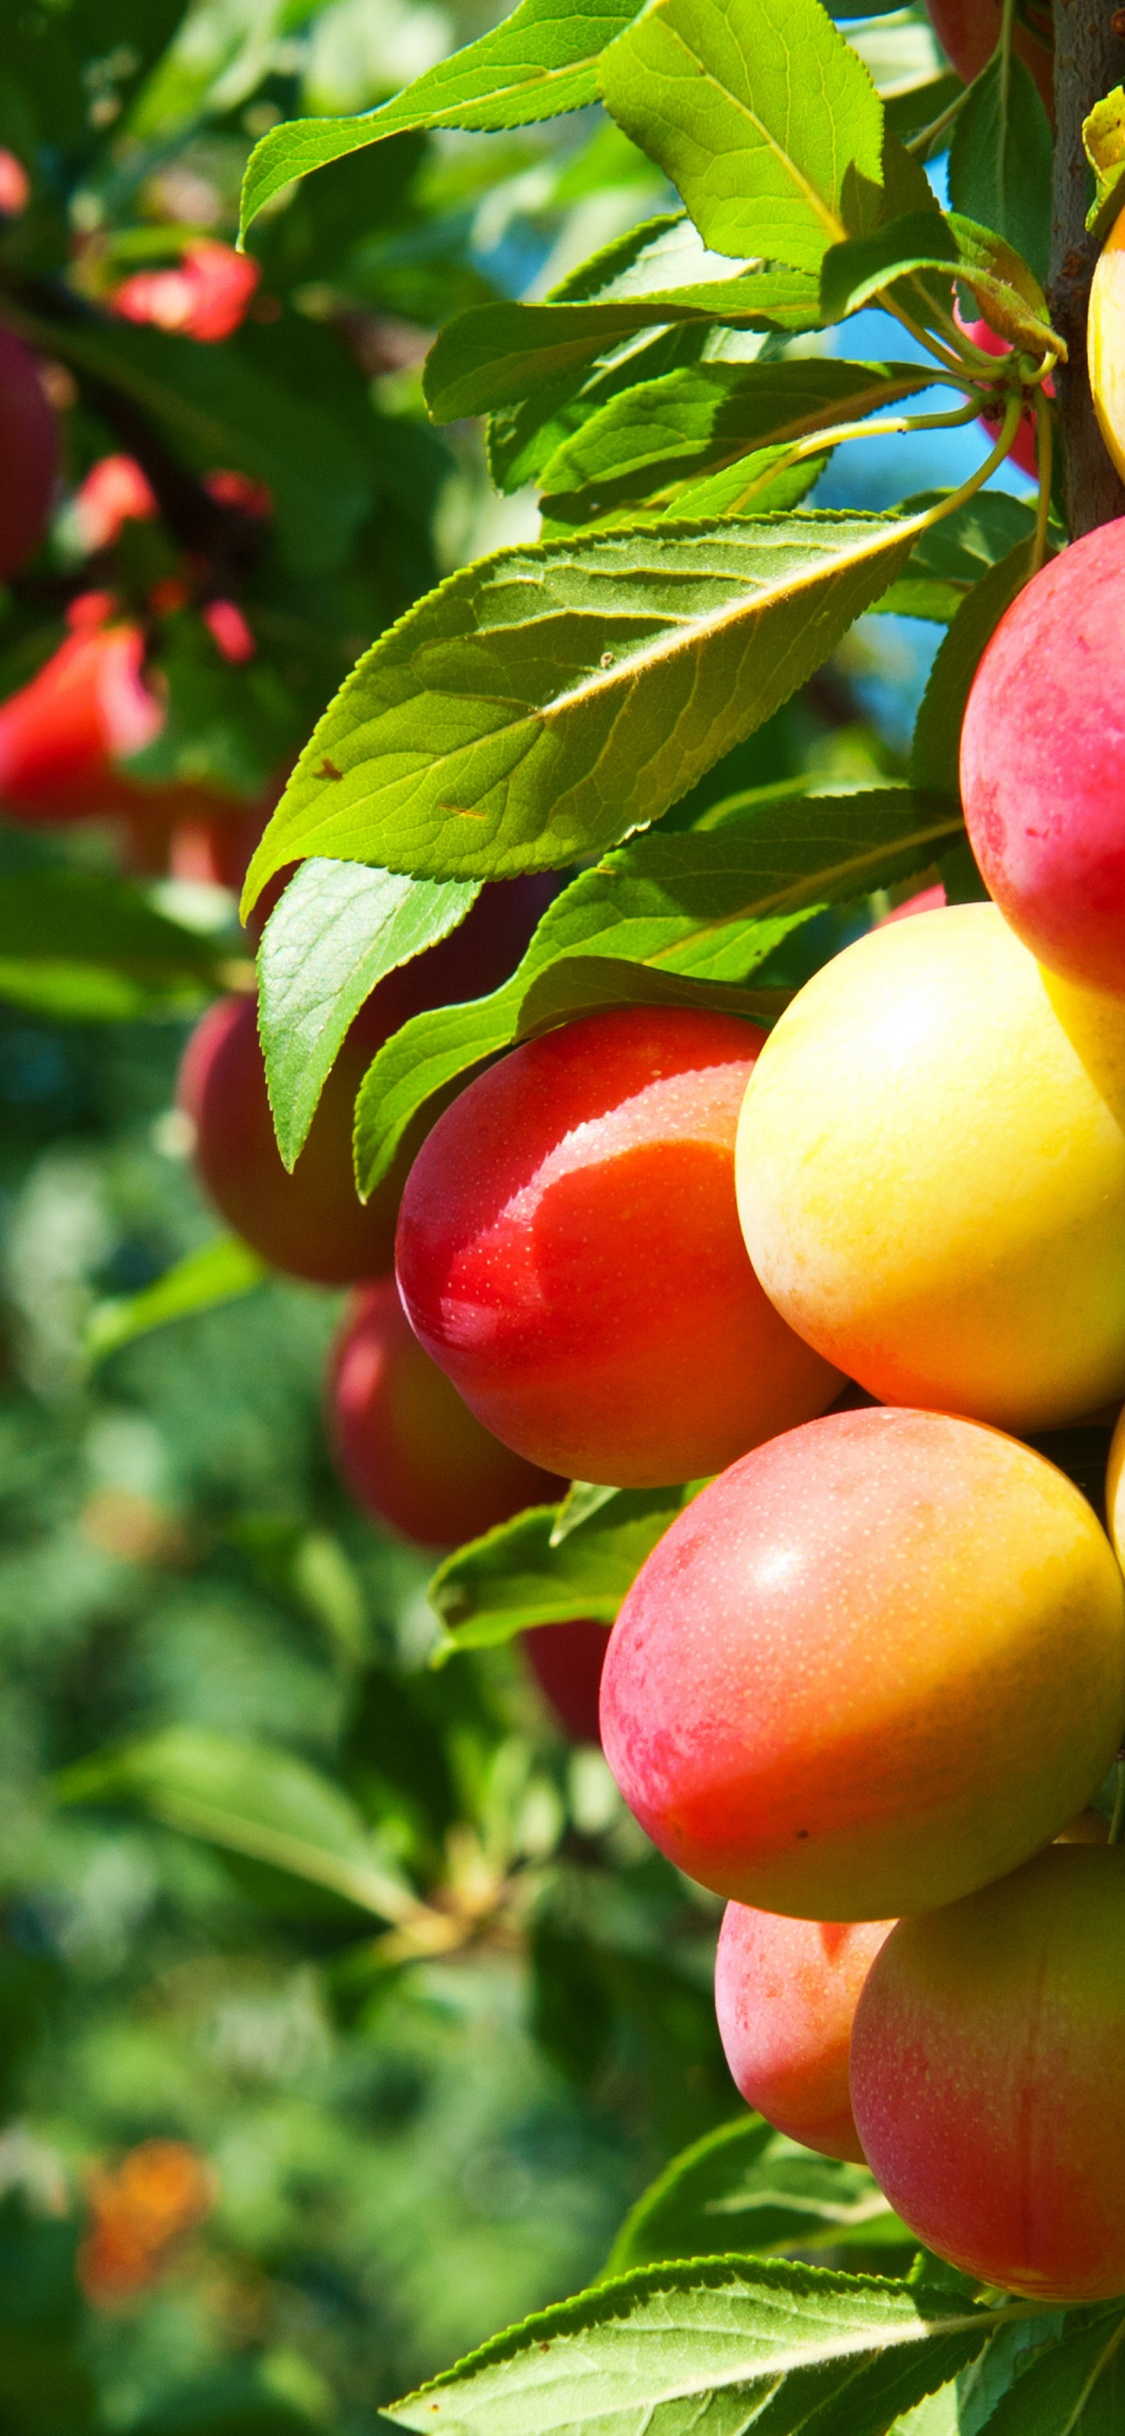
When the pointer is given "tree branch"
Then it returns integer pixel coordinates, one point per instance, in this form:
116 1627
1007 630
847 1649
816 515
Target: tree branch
1089 60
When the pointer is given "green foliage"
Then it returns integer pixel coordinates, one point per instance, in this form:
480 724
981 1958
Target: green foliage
723 2336
551 699
218 1273
338 929
1000 161
85 946
539 62
764 118
748 2188
263 1803
544 1568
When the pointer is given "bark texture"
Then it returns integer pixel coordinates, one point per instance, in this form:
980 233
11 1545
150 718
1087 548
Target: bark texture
1089 61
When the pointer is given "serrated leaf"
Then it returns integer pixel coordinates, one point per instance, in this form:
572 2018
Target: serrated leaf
1000 160
955 553
935 753
544 702
717 2344
683 918
538 63
689 423
496 354
523 1573
953 247
745 2187
764 118
218 1273
1103 135
253 1800
336 931
1074 2387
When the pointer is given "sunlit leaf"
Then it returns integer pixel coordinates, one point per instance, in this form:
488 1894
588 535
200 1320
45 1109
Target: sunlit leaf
540 61
336 931
763 117
543 703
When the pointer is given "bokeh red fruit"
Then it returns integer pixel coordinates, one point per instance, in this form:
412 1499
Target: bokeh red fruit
29 454
312 1222
875 1664
1043 762
969 30
986 2077
62 736
206 297
115 490
785 1996
569 1252
410 1451
567 1661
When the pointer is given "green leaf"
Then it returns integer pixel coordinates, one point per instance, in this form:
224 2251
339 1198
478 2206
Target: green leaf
523 1573
954 554
1007 292
935 753
218 1273
85 947
691 422
1103 135
1000 160
336 931
497 354
682 918
538 63
745 2187
1075 2387
718 2345
763 117
546 701
252 1800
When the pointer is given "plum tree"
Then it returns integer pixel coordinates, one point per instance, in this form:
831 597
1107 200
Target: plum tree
29 453
410 1451
1041 762
802 1688
785 1996
568 1250
312 1222
986 2077
969 30
931 1173
567 1662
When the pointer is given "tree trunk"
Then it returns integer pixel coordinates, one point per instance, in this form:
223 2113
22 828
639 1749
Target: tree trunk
1089 61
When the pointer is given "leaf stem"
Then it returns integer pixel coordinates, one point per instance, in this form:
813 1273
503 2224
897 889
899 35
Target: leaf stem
1013 414
920 143
817 443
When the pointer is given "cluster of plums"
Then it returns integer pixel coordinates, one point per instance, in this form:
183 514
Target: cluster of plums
841 1275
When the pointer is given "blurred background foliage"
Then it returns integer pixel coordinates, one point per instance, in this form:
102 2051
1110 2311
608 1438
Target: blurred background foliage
271 2150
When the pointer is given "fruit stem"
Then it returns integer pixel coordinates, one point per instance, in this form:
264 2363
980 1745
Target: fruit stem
1089 61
